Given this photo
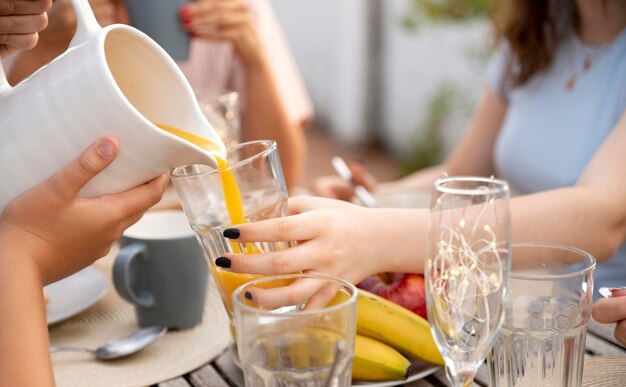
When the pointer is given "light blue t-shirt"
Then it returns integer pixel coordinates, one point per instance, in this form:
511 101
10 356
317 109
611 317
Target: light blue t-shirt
550 133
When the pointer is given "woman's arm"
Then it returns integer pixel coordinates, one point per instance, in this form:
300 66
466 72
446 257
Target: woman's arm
48 233
265 115
24 356
592 214
472 156
341 239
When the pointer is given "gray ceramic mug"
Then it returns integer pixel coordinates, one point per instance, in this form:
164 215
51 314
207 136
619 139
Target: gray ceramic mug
160 269
160 20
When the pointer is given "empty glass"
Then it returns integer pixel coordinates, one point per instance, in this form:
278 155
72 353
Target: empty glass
467 268
287 338
542 340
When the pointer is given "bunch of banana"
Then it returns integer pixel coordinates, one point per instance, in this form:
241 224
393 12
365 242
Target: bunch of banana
385 333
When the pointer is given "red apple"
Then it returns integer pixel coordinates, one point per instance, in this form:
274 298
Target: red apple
405 289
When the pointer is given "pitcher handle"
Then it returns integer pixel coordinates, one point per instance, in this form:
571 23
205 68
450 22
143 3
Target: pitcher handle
86 25
4 83
86 22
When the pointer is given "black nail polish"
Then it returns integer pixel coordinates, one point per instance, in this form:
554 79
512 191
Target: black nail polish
231 233
223 262
248 295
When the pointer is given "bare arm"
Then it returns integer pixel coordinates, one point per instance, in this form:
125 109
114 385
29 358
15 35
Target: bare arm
48 233
472 156
474 153
23 329
265 116
592 214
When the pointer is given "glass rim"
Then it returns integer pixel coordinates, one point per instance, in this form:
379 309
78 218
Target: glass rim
270 147
499 185
238 304
590 261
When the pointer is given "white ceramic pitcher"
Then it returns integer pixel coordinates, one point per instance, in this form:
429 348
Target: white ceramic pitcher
111 81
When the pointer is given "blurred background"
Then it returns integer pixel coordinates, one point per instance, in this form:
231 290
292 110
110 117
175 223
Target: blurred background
393 81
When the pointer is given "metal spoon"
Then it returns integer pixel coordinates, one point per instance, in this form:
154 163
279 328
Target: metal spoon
121 347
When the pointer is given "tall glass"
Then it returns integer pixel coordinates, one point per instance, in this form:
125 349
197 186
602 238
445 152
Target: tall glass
467 269
287 338
256 168
542 340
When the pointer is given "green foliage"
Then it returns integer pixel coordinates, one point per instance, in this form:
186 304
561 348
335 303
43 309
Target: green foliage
428 148
442 10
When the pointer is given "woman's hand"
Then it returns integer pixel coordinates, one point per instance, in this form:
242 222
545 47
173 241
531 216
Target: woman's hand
227 20
613 310
337 188
63 233
334 238
20 22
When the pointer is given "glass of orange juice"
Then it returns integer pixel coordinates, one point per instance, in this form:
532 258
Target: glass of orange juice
247 186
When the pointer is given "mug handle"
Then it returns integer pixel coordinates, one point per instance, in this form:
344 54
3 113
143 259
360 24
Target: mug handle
86 25
122 278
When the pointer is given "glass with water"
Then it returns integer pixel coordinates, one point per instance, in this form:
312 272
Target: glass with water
296 330
542 340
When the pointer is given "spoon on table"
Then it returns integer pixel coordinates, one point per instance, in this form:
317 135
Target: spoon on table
121 347
361 192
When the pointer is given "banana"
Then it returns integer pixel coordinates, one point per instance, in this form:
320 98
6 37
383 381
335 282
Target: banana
397 327
376 361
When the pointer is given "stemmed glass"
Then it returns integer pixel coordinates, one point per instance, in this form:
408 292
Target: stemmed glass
467 269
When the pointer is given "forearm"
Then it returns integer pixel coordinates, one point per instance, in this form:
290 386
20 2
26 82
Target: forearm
265 117
24 354
398 238
586 217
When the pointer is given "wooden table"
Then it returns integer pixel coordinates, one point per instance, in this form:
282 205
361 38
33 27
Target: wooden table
605 365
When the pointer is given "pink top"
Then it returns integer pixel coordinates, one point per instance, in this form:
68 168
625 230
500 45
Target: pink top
214 65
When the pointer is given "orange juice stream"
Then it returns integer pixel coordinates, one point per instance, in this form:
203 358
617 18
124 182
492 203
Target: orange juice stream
227 281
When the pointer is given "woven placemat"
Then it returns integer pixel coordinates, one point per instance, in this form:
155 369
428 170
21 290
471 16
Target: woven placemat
175 354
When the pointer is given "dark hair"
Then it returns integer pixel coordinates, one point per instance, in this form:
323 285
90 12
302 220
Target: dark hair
532 30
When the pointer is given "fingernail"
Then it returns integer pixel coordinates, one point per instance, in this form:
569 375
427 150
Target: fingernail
106 148
186 23
231 233
194 35
184 11
223 262
248 295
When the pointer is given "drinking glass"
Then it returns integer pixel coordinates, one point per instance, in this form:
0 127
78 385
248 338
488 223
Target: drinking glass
221 109
467 269
287 338
255 167
542 340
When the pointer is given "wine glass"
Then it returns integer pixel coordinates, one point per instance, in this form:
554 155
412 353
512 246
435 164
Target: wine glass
467 269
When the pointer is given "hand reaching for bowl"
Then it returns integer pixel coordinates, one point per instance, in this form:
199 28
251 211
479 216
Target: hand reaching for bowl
63 233
20 23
